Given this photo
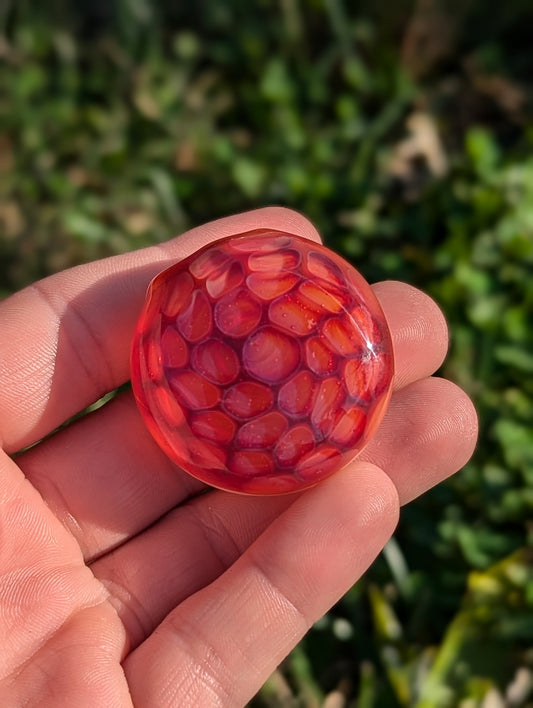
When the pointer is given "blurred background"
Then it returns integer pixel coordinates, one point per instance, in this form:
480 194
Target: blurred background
405 132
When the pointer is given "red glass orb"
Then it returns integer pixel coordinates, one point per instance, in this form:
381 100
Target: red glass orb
262 363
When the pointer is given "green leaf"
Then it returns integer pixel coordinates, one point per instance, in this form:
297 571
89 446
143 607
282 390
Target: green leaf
249 176
276 84
514 356
482 150
84 227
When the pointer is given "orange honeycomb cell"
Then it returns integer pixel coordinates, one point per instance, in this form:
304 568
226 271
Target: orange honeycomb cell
247 399
296 396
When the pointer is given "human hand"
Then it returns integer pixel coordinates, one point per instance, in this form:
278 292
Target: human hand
121 582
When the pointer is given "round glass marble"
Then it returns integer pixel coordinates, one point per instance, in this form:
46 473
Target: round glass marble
262 363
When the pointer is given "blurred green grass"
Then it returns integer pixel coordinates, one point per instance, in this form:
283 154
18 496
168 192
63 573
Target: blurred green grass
405 133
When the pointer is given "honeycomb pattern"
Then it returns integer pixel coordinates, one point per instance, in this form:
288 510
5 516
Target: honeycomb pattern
262 363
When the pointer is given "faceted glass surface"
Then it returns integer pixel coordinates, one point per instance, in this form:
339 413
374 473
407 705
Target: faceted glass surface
262 363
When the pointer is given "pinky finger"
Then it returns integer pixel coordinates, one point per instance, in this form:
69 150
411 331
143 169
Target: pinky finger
221 644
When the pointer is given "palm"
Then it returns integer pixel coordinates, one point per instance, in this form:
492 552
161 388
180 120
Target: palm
120 582
64 640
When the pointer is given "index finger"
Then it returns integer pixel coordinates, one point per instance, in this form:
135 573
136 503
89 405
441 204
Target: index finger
65 341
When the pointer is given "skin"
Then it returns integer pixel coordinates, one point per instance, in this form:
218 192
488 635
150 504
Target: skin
120 583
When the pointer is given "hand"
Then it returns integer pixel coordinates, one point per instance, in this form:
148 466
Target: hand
120 582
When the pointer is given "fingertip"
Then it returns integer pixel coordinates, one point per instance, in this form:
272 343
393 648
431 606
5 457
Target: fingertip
360 499
428 434
463 416
365 480
419 330
288 219
277 218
